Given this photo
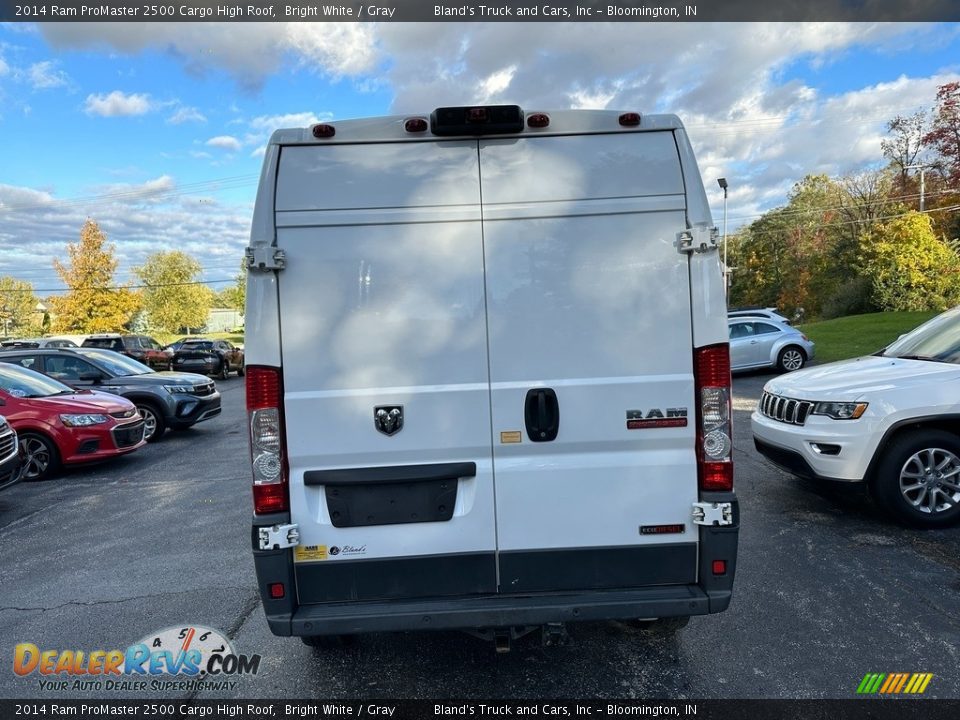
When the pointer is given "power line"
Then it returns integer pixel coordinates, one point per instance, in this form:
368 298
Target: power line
127 287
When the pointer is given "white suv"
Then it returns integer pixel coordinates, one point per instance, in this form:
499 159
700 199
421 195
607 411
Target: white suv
891 420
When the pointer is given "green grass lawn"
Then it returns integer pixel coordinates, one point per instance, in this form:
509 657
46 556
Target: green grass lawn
857 335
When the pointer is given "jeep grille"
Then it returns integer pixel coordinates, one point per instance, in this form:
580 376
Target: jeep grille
784 409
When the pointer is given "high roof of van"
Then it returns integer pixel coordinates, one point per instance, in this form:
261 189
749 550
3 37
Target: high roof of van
393 127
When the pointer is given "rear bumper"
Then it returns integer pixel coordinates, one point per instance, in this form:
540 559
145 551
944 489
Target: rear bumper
496 611
710 593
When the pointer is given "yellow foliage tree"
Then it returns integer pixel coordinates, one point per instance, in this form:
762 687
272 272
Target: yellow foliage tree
911 269
173 296
92 303
18 307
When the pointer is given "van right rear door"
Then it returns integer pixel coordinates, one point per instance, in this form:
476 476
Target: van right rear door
591 361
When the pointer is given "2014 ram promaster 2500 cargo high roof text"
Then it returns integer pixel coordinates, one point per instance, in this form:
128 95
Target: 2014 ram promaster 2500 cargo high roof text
488 376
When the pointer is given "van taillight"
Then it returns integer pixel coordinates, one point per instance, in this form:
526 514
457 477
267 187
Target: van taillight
270 490
714 418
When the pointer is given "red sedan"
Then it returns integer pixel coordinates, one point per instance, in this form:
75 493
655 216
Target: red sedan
58 425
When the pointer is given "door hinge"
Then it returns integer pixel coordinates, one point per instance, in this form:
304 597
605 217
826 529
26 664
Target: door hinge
708 513
699 239
279 537
265 257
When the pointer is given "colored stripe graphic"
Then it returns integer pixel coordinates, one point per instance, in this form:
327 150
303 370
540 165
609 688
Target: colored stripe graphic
870 683
894 683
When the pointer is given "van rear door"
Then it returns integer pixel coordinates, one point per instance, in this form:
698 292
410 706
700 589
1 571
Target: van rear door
590 339
383 322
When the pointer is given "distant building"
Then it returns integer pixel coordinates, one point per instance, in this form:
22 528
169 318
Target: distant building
224 320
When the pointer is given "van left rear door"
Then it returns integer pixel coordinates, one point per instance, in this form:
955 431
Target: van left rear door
385 371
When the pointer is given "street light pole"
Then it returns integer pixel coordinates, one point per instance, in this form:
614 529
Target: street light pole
722 182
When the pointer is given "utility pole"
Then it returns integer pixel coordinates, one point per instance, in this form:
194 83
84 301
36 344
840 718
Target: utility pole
922 170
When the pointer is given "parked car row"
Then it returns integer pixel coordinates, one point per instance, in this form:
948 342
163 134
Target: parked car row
69 406
211 357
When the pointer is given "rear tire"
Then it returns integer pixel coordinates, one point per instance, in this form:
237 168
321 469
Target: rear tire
918 479
224 372
41 457
240 371
791 358
153 422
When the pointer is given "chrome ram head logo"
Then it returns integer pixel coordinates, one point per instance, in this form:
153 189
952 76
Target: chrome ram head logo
388 418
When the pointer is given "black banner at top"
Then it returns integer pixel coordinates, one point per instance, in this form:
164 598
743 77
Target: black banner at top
292 709
572 11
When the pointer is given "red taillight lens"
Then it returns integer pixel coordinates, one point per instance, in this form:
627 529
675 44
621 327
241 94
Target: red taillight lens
538 120
719 567
267 452
263 388
630 119
324 131
415 125
277 590
714 420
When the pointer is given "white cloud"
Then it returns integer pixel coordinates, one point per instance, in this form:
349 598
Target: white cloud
250 51
118 104
224 142
186 114
45 75
495 84
737 86
269 123
138 219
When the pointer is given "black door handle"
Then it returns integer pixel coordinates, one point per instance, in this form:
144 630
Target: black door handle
542 414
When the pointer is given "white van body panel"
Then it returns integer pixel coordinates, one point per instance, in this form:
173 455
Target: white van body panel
461 279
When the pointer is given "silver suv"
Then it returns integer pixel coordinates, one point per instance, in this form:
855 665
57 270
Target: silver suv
165 399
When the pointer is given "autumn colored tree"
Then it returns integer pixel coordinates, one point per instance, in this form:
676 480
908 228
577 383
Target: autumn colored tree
944 135
92 303
788 257
910 268
173 295
18 313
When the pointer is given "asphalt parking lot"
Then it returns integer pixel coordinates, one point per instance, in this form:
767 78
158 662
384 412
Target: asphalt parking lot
827 590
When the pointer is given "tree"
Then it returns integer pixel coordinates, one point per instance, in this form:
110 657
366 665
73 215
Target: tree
235 296
911 269
92 302
906 143
787 257
944 135
18 311
173 295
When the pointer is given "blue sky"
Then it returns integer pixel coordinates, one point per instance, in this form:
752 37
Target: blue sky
156 130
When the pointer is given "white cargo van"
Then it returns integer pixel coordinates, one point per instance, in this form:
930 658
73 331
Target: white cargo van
488 376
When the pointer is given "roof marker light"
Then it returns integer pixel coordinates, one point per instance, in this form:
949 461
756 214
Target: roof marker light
630 119
538 120
415 125
324 131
